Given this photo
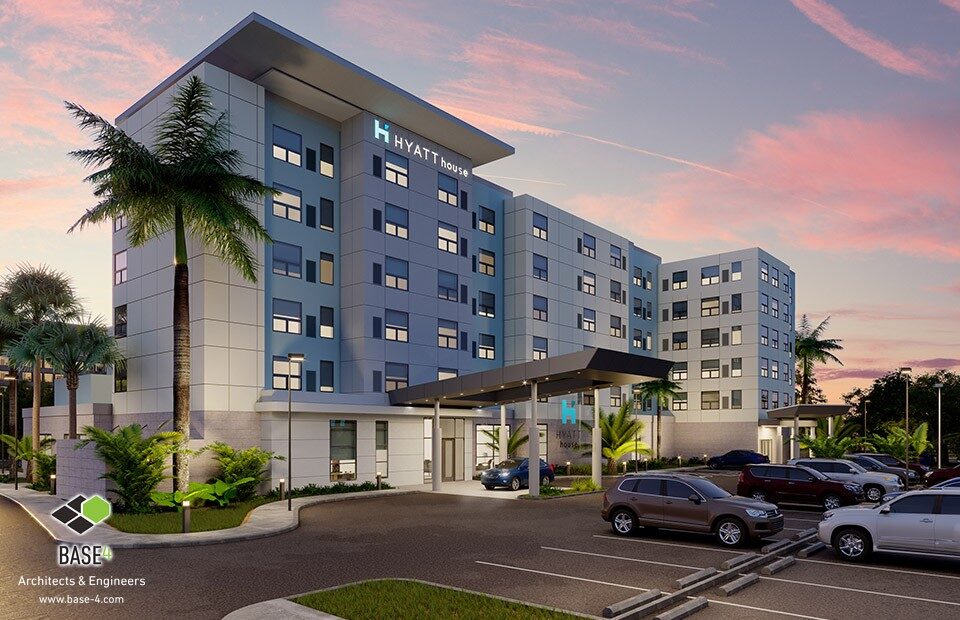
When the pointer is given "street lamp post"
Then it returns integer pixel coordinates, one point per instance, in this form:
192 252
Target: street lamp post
905 371
939 387
866 401
291 359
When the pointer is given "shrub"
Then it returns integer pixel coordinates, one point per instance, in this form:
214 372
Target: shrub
550 491
46 465
220 492
583 485
340 487
248 466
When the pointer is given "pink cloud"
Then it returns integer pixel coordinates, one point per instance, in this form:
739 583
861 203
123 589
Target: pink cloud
625 33
951 4
680 9
825 374
953 287
395 26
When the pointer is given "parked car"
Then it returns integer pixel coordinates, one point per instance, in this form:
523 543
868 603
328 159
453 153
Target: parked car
515 473
874 484
919 470
736 459
690 503
868 462
952 483
923 522
939 475
793 484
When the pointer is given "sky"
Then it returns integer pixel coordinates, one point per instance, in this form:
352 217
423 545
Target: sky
825 131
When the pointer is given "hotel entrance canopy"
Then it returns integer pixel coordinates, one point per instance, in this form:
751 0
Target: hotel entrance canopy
582 371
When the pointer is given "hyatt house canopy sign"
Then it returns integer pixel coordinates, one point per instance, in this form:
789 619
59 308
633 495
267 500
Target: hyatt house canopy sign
391 136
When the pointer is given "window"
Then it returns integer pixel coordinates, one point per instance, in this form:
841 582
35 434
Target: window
326 160
679 310
286 316
710 369
120 378
287 145
616 257
396 273
775 400
397 169
915 505
326 214
616 396
447 286
447 334
447 189
381 447
283 369
774 370
589 322
487 262
679 280
638 307
775 308
616 327
736 271
736 367
120 267
679 341
287 204
764 367
539 267
710 337
679 371
326 322
447 238
638 277
950 504
539 348
617 293
396 221
540 308
784 373
119 223
764 271
679 402
286 259
487 349
786 282
736 303
786 314
648 283
446 373
649 339
764 303
540 226
736 335
775 277
343 450
588 246
396 376
487 220
326 268
638 338
120 321
775 339
395 325
736 399
710 306
486 304
589 283
764 335
764 399
710 275
709 400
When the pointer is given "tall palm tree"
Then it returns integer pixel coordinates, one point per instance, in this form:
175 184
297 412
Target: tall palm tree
812 348
32 296
514 442
72 350
662 391
189 181
618 435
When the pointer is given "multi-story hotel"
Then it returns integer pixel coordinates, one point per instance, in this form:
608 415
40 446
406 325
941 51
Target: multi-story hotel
394 264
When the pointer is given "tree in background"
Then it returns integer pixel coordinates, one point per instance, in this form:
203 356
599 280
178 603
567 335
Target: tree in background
662 391
618 436
517 439
815 394
812 348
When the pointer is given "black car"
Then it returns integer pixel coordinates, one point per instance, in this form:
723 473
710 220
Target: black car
736 459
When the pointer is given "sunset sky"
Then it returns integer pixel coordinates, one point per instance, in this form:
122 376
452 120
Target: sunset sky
825 131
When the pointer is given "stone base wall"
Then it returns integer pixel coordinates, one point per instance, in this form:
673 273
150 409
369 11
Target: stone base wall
79 471
712 438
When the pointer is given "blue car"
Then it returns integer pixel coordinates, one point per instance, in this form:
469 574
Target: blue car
736 459
515 473
953 483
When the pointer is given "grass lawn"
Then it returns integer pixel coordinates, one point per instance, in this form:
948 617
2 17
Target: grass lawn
410 600
201 519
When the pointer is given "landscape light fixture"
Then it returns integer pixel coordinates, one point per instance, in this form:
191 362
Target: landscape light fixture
291 359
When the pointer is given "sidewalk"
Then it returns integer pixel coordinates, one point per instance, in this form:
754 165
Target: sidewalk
266 520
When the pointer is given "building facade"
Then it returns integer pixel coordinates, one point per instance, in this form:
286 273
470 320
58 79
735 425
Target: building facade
394 264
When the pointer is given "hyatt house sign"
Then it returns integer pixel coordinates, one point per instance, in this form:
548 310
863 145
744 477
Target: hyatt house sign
386 132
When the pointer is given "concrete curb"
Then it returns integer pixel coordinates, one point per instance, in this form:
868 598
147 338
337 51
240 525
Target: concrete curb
266 520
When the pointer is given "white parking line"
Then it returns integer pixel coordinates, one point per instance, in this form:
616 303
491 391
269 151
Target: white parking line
874 592
620 557
666 544
789 518
902 571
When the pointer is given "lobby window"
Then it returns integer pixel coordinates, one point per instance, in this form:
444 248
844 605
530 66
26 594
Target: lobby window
286 316
638 338
589 283
487 263
764 271
736 271
486 304
736 334
710 337
397 376
447 189
287 204
616 327
540 308
616 257
395 271
326 322
120 378
679 341
287 259
539 348
326 268
616 396
588 246
775 339
120 267
764 367
287 146
736 399
446 373
764 335
396 221
764 303
395 325
736 367
540 226
616 292
343 450
764 399
710 275
539 267
382 446
447 238
326 160
679 310
487 221
447 334
589 320
120 321
736 303
284 369
710 306
448 286
679 280
397 169
709 400
679 402
774 277
710 369
775 370
679 371
775 308
487 347
119 222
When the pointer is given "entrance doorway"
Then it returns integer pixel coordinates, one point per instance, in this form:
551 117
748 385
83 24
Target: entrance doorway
449 448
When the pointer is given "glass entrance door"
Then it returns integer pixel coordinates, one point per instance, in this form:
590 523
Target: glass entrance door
448 459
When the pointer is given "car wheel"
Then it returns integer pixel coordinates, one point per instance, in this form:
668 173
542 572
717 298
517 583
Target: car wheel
623 522
874 494
852 544
515 484
488 487
831 501
713 466
731 532
759 495
545 481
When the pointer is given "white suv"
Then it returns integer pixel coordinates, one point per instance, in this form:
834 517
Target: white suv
875 484
917 523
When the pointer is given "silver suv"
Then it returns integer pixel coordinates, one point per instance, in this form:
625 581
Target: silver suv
875 484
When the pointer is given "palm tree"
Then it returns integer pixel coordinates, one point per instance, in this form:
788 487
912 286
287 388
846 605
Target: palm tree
896 440
662 391
826 447
188 181
22 450
618 435
514 442
32 296
72 350
812 348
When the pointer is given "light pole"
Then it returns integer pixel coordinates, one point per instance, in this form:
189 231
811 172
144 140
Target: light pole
866 401
292 358
905 371
939 387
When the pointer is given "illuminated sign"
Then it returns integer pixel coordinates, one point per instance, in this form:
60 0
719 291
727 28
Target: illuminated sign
382 132
568 412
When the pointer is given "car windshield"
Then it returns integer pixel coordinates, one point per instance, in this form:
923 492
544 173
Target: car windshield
887 460
509 464
708 489
856 467
816 474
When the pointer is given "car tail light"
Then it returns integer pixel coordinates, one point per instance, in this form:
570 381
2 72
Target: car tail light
742 476
553 468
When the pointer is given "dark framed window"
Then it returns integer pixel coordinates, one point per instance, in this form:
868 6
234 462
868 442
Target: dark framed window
679 341
326 322
588 246
343 450
284 369
287 145
679 310
120 321
396 325
539 348
396 273
120 378
487 347
396 221
616 257
540 308
287 259
710 400
288 203
447 189
486 304
540 267
447 337
710 337
540 226
589 322
487 220
679 280
710 306
397 376
326 160
397 169
447 238
448 286
710 275
287 316
381 446
326 268
326 214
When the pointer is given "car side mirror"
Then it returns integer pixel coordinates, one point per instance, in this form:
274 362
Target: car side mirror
694 498
885 510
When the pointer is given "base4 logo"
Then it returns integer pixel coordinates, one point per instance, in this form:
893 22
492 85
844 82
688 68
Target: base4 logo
81 514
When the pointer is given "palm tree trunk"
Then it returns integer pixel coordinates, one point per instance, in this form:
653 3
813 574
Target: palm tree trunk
73 381
659 434
181 353
35 427
805 374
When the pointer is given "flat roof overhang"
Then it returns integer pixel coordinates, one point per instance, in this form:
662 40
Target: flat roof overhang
803 412
264 52
555 376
